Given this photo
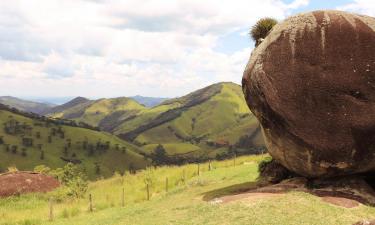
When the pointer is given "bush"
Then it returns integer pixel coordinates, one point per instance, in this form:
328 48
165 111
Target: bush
263 164
42 169
261 29
272 171
74 178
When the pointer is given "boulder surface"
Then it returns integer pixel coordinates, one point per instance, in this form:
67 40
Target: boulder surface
311 84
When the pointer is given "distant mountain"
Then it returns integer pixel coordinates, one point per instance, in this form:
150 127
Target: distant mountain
50 100
78 101
25 105
148 101
105 113
28 141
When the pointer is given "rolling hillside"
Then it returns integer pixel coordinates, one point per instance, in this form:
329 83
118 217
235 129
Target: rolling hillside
103 113
28 141
204 123
25 105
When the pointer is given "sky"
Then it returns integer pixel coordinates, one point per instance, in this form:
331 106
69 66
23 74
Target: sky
110 48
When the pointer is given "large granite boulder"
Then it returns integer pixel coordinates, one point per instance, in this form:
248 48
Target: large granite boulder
311 84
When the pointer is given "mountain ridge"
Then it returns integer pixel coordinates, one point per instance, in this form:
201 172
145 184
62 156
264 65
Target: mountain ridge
25 105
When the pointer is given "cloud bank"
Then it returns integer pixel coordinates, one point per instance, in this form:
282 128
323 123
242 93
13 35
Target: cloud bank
121 48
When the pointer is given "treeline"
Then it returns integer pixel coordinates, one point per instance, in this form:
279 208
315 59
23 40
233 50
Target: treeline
160 157
48 120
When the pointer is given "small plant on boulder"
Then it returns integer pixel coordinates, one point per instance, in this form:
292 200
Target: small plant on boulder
261 29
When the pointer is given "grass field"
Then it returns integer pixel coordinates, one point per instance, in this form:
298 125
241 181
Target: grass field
110 160
183 203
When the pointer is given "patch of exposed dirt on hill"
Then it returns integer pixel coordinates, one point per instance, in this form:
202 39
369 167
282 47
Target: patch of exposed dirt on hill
348 192
247 197
343 202
15 183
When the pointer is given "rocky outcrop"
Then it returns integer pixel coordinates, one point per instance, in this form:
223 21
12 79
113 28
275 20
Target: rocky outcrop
311 84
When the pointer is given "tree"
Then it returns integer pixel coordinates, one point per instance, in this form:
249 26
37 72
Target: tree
37 135
1 140
24 153
65 151
69 143
261 29
27 142
7 147
49 139
74 178
159 155
97 168
14 149
41 155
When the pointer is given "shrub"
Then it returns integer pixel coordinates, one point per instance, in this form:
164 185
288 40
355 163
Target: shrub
261 29
74 178
263 164
42 169
12 169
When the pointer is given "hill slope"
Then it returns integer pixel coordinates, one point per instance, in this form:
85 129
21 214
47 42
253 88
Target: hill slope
211 118
25 105
105 113
28 141
208 122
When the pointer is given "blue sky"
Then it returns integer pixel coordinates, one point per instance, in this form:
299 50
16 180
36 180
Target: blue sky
111 48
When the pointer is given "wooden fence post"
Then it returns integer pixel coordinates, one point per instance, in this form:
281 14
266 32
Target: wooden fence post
50 209
166 184
123 197
234 160
198 169
90 202
148 192
209 165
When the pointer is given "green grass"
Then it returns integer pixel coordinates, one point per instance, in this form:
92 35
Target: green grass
184 203
110 161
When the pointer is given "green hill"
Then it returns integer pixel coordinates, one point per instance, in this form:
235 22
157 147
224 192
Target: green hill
211 120
25 105
104 113
27 141
206 123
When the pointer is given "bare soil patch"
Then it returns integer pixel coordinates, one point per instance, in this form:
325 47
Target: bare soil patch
343 202
21 182
346 192
249 197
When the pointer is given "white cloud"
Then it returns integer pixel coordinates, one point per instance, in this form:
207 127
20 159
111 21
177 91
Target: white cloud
112 48
366 7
